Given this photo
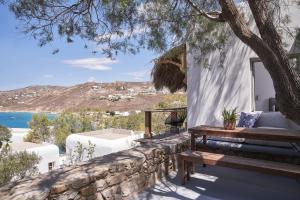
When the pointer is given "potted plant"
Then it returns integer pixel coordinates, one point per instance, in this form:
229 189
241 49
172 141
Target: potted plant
229 117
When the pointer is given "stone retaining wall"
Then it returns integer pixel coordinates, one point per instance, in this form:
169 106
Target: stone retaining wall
115 176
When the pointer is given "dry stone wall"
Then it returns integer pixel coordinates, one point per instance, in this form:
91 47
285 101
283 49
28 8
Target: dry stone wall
116 176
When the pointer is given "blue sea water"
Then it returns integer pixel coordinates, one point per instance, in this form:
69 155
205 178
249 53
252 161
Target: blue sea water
18 119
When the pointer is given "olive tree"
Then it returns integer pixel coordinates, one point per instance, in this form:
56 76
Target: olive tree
128 25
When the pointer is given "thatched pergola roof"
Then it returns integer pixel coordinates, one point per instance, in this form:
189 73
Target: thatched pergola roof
170 70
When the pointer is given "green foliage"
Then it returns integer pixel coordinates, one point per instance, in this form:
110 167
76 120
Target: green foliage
120 26
158 122
135 122
169 101
67 123
172 100
14 165
5 135
39 125
162 104
79 152
90 150
229 115
85 121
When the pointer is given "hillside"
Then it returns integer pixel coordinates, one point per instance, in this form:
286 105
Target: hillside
118 96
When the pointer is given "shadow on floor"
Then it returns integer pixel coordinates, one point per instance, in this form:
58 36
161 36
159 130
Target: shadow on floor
212 183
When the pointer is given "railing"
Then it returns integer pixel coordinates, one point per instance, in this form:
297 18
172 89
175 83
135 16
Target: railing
148 118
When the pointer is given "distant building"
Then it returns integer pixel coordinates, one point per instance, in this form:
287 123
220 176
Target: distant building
49 154
106 141
124 114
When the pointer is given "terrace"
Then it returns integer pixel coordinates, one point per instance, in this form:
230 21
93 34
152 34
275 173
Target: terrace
150 171
212 183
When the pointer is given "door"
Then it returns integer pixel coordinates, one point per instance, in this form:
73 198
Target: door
264 92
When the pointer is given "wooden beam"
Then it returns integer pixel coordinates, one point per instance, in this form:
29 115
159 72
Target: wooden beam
148 129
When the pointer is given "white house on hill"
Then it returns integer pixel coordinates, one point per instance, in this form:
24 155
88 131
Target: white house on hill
106 141
49 154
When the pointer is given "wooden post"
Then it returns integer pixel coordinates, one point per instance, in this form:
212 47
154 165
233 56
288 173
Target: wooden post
148 131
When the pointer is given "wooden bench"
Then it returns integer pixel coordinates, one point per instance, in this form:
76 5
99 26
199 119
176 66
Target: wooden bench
188 158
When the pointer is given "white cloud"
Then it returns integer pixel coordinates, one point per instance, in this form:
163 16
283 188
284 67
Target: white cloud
139 75
92 79
101 64
48 76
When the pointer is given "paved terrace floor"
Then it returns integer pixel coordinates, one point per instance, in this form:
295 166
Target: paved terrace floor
215 183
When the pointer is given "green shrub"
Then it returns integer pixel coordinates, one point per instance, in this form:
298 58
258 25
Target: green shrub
14 165
39 125
5 135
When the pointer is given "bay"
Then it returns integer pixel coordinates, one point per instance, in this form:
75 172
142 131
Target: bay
18 119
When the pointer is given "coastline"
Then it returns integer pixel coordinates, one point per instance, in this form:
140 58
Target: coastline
28 111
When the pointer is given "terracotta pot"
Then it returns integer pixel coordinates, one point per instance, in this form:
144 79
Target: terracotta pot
229 125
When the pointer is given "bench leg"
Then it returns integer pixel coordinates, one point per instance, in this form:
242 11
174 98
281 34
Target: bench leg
181 171
193 167
173 162
189 170
167 161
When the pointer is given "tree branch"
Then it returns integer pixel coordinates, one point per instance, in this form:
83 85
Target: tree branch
213 15
170 62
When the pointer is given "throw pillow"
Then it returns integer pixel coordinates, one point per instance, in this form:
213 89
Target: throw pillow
248 119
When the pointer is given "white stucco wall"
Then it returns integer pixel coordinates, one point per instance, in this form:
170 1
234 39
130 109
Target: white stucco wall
102 146
18 134
48 153
212 89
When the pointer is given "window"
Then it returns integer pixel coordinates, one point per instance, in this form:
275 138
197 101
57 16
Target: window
50 166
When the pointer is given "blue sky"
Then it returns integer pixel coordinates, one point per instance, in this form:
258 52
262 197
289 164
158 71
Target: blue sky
24 63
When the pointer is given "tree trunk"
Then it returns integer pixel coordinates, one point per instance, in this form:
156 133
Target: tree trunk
286 81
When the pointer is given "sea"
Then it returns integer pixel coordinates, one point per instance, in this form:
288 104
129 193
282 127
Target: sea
18 119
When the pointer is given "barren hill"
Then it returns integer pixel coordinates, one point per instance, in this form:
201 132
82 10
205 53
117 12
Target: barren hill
121 96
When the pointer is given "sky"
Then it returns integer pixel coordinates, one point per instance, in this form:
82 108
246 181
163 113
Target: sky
24 63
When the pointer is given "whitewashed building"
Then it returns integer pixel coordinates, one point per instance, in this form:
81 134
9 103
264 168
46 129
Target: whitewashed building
18 134
241 81
49 154
106 141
